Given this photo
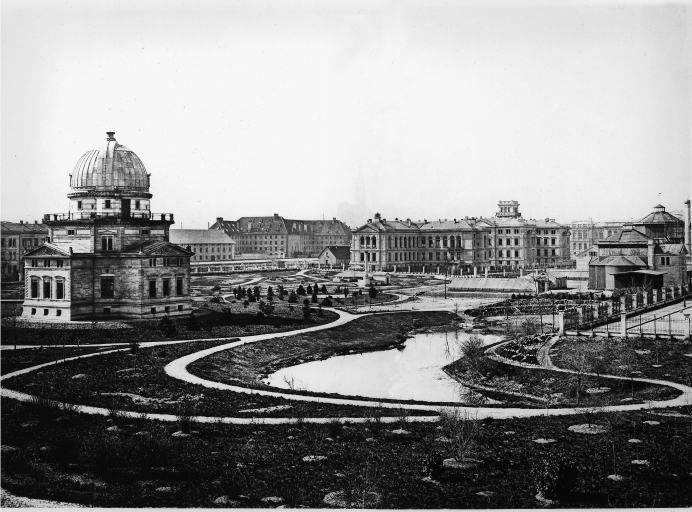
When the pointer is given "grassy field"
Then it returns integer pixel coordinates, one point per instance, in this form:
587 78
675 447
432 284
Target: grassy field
117 462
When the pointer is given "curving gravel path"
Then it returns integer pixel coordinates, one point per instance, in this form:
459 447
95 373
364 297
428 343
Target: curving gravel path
178 369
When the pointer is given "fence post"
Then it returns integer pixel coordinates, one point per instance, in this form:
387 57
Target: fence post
623 323
561 323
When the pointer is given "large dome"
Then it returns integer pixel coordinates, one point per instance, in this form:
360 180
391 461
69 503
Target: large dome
111 168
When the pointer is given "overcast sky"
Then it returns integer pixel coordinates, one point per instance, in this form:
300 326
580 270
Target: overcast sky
422 109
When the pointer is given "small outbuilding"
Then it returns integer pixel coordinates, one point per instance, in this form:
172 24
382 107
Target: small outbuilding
335 255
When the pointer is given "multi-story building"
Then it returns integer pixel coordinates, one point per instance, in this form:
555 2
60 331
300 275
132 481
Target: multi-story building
109 256
520 243
383 244
277 237
16 238
505 240
206 244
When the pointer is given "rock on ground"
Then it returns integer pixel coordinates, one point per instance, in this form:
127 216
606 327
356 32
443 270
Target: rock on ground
588 428
272 500
338 499
314 458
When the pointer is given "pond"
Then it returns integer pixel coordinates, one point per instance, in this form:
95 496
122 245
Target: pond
412 373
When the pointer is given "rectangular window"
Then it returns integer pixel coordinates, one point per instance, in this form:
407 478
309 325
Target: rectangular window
60 289
153 311
107 287
179 286
107 203
107 243
46 289
180 307
58 312
152 288
136 204
59 263
79 205
166 287
46 263
106 311
70 232
146 232
34 288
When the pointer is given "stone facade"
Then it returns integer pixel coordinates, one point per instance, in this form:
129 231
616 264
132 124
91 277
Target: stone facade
109 256
525 243
207 244
278 237
16 238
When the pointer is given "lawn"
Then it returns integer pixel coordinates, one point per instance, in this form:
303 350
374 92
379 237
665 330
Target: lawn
113 462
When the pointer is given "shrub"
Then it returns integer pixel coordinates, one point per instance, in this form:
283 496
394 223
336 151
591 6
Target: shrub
292 298
186 411
300 290
554 477
462 429
327 302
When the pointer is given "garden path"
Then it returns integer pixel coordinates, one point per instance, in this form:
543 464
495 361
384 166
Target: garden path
178 369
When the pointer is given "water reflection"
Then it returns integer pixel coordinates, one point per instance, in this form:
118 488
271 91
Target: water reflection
414 373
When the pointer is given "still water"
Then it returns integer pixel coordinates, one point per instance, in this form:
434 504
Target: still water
414 373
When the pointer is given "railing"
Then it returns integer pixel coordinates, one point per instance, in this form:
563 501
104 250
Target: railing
58 217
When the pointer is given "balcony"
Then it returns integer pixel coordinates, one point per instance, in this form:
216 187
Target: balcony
82 216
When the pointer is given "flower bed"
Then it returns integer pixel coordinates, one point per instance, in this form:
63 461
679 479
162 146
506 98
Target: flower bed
141 464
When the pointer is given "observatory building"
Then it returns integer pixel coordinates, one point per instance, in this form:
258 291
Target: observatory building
108 257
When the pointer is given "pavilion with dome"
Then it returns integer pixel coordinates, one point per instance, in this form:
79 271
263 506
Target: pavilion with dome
109 256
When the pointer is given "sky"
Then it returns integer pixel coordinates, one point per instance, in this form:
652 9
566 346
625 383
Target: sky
319 109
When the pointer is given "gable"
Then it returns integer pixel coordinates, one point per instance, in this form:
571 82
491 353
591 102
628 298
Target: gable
46 250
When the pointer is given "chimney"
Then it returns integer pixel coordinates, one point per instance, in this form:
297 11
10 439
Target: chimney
408 221
35 222
110 135
334 219
688 227
455 221
650 255
21 222
369 221
219 219
276 215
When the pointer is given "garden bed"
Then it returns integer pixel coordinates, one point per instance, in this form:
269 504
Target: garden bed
652 359
552 388
210 325
138 463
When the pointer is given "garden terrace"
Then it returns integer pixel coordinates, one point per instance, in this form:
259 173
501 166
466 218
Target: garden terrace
116 462
124 380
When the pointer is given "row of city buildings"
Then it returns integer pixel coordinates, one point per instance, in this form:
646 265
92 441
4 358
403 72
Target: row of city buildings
110 256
